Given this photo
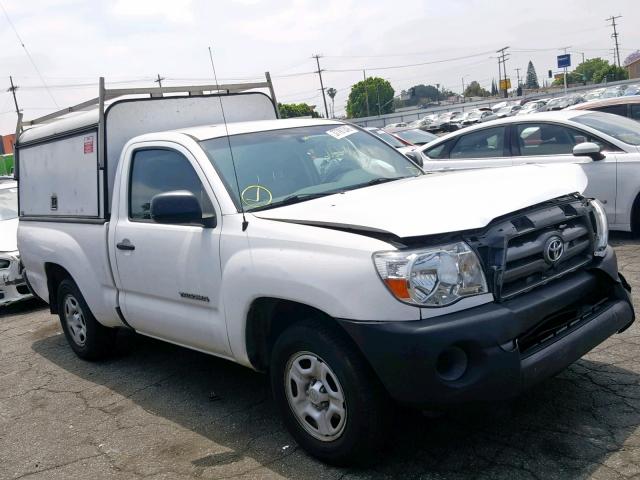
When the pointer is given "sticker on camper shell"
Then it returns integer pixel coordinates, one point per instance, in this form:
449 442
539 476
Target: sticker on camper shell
88 144
342 131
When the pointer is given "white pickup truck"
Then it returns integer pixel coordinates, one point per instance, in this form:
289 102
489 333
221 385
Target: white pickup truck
312 250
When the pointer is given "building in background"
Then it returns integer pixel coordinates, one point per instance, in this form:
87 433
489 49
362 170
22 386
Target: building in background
634 68
6 145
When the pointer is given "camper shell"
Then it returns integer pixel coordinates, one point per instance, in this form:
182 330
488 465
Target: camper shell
78 154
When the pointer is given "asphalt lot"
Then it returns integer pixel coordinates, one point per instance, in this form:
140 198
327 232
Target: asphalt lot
163 412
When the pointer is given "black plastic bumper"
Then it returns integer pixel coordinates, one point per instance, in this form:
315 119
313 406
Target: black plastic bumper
477 354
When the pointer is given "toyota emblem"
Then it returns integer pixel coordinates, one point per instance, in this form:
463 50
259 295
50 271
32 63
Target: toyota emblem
553 249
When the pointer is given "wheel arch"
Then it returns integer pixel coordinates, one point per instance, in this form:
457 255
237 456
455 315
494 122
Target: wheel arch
55 275
268 317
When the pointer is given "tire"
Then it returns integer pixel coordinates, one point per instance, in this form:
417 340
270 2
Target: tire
87 337
352 435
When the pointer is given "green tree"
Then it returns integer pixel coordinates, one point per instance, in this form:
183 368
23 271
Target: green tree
475 90
290 110
610 74
370 97
494 87
532 77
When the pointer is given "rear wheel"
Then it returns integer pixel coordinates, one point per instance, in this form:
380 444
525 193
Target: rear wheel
87 337
329 398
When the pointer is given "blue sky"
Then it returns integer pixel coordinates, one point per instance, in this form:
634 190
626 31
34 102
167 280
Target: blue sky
75 41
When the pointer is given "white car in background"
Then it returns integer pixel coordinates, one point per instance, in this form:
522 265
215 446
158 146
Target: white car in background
12 284
607 147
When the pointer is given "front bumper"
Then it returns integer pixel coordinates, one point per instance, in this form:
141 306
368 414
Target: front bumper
497 350
13 286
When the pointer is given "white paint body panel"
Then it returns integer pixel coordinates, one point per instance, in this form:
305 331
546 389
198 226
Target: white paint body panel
439 203
328 269
63 168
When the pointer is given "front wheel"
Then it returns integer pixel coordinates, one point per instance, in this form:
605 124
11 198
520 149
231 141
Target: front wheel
329 398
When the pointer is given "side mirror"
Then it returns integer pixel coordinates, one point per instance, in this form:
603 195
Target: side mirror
588 149
178 207
415 157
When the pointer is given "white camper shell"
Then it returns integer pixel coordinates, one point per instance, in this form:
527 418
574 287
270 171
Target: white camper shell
78 155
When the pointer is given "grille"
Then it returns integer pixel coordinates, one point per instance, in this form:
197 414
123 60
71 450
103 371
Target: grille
534 247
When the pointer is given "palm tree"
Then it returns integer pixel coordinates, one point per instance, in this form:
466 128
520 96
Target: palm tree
332 94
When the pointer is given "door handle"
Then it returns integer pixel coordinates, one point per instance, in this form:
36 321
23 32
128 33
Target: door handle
125 245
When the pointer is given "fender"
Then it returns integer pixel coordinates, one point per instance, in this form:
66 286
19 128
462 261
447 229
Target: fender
282 260
80 249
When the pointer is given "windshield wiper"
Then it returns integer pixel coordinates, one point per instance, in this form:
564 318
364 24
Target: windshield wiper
291 199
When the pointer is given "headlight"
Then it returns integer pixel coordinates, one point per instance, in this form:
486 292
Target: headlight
432 277
602 229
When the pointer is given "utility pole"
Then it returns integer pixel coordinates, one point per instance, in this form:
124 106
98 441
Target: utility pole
565 70
503 59
462 89
366 91
518 75
319 72
13 89
159 80
614 35
378 94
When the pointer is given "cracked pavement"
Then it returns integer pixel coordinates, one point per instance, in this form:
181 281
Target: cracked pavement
159 411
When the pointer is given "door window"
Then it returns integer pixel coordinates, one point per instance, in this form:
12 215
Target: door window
480 144
155 171
548 139
615 109
634 112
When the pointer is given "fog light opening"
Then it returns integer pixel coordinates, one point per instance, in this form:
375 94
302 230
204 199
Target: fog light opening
452 364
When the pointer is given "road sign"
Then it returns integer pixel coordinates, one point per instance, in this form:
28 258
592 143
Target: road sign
564 60
505 84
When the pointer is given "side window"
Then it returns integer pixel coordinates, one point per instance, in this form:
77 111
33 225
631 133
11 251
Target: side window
615 109
547 139
635 112
438 152
155 171
480 144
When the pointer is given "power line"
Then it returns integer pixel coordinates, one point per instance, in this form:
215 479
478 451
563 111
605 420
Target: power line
614 35
35 67
409 65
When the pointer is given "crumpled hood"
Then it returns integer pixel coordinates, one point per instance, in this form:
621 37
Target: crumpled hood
9 235
437 203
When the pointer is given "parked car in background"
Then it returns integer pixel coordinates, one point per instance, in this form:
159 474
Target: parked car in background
500 105
13 287
565 101
615 91
593 94
445 122
606 146
476 116
507 111
393 139
423 123
632 89
532 107
623 106
415 136
396 125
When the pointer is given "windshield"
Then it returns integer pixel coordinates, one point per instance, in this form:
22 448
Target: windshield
620 128
415 136
295 164
8 203
387 137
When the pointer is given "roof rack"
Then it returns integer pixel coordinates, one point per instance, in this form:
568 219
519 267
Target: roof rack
106 94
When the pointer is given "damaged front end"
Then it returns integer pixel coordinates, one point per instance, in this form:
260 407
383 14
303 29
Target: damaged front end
13 285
